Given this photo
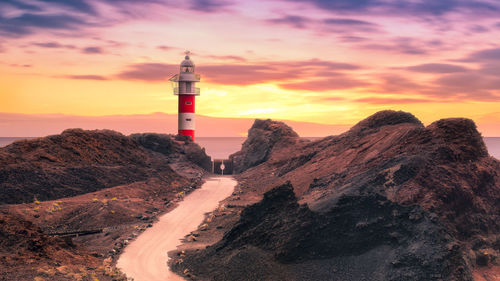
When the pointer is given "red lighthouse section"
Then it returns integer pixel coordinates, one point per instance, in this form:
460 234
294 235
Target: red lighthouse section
186 104
189 133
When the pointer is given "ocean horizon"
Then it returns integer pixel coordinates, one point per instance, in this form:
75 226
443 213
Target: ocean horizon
222 147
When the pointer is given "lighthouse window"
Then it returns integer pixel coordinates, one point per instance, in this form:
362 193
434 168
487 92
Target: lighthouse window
189 103
188 119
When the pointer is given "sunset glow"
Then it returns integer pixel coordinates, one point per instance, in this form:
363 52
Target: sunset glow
330 62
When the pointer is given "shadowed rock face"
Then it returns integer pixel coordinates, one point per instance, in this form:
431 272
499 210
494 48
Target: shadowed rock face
388 200
169 146
262 138
78 161
21 243
415 245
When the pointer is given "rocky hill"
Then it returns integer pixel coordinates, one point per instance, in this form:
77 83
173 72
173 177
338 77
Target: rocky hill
103 185
25 252
78 161
390 199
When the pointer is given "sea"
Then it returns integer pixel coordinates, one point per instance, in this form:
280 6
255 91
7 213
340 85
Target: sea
222 147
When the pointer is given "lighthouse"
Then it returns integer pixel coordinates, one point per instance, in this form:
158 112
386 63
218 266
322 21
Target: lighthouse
184 85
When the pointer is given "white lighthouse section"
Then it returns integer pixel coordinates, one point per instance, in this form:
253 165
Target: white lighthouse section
186 121
185 88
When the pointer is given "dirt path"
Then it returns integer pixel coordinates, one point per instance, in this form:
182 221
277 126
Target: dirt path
145 259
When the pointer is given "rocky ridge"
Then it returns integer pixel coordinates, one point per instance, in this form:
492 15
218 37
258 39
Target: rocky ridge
78 161
389 199
99 183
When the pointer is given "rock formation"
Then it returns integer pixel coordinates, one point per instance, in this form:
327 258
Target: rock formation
78 161
389 199
262 138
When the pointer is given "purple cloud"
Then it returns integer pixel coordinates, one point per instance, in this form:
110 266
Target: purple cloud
52 45
240 74
379 100
26 24
151 72
484 55
345 25
92 50
468 82
293 21
334 83
406 8
404 45
208 6
478 28
86 77
436 68
492 69
164 48
228 58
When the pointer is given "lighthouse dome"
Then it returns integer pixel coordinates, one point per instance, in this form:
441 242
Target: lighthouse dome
187 62
187 65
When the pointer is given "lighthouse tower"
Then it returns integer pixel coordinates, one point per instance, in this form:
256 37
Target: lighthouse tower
185 88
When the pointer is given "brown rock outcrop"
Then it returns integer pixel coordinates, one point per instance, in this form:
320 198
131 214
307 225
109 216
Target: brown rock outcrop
388 200
78 161
262 138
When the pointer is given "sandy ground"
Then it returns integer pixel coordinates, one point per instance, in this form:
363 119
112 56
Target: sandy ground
145 259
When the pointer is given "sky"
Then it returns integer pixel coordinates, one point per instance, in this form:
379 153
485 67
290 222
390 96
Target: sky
331 62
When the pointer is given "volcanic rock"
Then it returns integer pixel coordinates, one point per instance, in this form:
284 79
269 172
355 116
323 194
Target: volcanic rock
79 161
389 199
26 252
262 137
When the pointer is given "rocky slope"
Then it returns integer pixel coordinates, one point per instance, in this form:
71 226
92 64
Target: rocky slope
99 183
262 137
388 200
77 162
25 252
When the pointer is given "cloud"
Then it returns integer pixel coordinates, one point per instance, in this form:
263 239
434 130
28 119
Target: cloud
399 8
352 39
240 74
334 83
490 69
293 21
436 68
21 5
164 48
228 58
53 45
150 72
75 5
379 100
336 25
208 6
28 23
92 50
332 99
468 82
244 74
395 83
484 55
404 45
86 77
20 65
343 25
478 28
273 71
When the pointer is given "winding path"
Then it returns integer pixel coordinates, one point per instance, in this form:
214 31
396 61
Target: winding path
145 259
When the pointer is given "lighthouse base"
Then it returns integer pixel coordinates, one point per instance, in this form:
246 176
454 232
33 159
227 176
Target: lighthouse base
189 133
